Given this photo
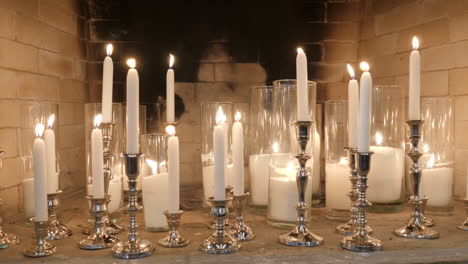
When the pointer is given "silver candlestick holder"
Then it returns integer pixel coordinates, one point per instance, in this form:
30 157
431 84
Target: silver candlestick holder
427 220
352 225
220 242
98 239
134 247
56 230
6 239
416 227
173 238
240 230
41 248
300 236
107 133
464 225
361 240
213 220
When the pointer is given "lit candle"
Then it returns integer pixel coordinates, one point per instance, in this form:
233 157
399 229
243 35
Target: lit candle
132 108
173 169
353 108
364 108
97 162
107 78
219 157
302 92
40 176
155 197
170 92
437 184
414 81
337 185
51 160
238 155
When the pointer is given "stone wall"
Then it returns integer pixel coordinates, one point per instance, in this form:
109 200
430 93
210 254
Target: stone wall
42 58
386 31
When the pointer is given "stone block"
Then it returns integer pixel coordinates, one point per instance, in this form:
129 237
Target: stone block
461 108
458 30
8 83
390 65
327 72
458 81
403 16
343 12
438 58
71 113
73 91
7 23
72 168
341 31
382 45
206 72
11 173
8 142
71 136
460 54
430 34
11 197
336 91
189 152
186 91
80 71
340 52
34 86
434 9
457 7
461 140
54 64
57 17
10 114
215 53
29 7
18 56
434 83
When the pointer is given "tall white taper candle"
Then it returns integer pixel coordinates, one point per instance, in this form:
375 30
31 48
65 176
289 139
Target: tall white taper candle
170 105
173 170
97 158
40 176
353 109
132 108
302 91
219 156
51 157
414 81
365 108
107 79
238 155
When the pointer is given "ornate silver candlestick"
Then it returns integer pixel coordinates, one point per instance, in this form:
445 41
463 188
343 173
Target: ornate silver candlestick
107 133
464 225
300 236
220 242
352 225
134 247
173 238
56 229
98 239
428 221
361 240
240 230
214 220
41 248
416 228
6 239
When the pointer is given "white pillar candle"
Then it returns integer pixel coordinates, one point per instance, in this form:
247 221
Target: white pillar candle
97 158
437 184
414 81
51 160
219 158
40 175
115 191
155 197
132 108
238 155
28 198
316 164
364 108
302 92
258 167
353 109
107 80
173 169
337 185
170 105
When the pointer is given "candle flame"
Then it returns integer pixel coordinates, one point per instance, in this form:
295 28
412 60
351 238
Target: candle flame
220 116
171 60
97 120
378 138
275 147
300 50
170 129
50 121
109 49
415 43
425 148
431 161
364 66
131 63
238 117
351 71
344 160
153 165
39 130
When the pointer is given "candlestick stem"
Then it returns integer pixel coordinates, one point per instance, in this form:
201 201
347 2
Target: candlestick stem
300 236
213 221
240 230
134 247
173 238
98 239
361 240
56 229
352 225
416 227
220 242
41 248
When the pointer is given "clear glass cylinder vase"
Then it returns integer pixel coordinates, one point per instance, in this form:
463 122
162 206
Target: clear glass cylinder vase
34 113
155 181
437 162
337 184
209 111
386 178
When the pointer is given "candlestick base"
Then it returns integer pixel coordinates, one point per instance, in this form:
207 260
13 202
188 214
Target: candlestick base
173 238
41 248
240 230
350 228
416 228
56 229
220 242
6 239
99 239
428 221
360 243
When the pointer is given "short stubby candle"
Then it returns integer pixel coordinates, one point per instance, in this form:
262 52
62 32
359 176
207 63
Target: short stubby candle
173 169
